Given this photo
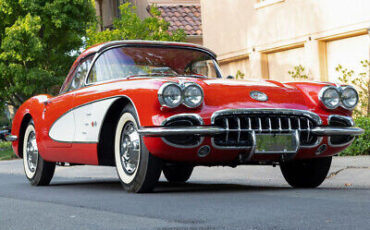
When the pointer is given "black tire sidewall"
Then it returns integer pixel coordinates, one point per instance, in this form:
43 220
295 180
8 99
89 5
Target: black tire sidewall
178 173
309 173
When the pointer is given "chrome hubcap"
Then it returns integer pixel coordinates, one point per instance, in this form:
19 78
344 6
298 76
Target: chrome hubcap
32 152
129 148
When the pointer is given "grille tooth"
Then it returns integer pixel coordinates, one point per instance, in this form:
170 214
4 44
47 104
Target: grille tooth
280 129
227 126
259 125
249 123
270 127
239 128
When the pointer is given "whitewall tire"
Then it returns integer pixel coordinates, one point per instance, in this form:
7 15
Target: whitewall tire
37 170
137 169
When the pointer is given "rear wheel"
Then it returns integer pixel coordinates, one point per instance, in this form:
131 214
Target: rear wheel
38 171
137 169
308 173
177 173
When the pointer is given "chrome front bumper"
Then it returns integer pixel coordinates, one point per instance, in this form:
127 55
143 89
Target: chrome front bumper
212 130
11 138
242 129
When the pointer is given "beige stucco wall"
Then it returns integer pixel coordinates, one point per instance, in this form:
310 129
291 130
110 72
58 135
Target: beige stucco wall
266 34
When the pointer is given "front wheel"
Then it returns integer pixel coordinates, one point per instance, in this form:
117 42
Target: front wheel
308 173
38 171
137 169
177 173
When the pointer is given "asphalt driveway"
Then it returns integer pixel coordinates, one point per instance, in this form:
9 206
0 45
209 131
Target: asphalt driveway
247 197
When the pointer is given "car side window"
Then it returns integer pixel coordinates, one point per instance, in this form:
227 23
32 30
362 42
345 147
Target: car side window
80 73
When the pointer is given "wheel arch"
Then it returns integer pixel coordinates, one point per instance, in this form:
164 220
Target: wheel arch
107 131
25 120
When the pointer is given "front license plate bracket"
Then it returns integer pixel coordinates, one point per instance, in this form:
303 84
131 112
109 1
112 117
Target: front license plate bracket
276 143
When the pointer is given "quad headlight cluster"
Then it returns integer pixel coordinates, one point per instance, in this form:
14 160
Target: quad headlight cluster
333 97
172 94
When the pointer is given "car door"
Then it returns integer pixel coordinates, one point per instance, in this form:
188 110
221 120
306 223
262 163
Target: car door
59 110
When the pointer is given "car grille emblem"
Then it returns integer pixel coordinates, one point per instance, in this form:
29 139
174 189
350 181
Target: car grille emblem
259 96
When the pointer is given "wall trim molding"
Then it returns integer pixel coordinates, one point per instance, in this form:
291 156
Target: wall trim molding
233 58
281 48
263 3
344 35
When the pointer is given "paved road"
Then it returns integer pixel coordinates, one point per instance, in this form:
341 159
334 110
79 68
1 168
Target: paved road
254 197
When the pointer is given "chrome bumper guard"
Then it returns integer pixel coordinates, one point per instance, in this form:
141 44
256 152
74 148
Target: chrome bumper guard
212 130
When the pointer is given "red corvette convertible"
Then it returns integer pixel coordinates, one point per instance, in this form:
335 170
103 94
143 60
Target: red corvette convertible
147 107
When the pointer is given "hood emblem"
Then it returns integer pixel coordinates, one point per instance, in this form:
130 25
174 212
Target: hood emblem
259 96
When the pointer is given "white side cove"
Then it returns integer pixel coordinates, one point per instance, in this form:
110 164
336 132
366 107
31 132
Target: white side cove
82 124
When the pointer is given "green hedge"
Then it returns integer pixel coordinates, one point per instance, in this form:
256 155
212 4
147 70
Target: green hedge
361 146
6 151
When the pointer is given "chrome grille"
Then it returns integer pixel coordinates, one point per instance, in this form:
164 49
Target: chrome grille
239 127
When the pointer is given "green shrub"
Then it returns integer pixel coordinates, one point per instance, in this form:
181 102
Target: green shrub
361 146
6 151
298 73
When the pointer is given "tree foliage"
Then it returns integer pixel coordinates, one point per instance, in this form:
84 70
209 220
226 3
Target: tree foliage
129 26
37 39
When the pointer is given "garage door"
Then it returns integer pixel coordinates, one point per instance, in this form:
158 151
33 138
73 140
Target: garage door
280 63
347 52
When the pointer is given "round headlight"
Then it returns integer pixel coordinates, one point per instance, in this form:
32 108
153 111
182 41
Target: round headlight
329 96
170 95
193 96
349 97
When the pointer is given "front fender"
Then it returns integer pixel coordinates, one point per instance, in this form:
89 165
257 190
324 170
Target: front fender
310 90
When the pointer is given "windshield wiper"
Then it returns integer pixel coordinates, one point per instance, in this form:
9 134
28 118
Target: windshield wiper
167 75
153 74
192 75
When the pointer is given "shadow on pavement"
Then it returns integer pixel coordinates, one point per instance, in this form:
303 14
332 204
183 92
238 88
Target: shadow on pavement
165 187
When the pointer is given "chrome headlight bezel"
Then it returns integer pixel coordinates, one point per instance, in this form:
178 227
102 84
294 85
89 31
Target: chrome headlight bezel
343 103
185 101
322 93
182 87
162 91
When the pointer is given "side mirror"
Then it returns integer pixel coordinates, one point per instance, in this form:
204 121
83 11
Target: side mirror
230 77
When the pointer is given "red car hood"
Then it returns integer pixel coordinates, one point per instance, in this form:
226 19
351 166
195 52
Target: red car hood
236 94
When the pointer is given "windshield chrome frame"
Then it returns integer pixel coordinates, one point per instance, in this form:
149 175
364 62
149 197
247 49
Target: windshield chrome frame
97 55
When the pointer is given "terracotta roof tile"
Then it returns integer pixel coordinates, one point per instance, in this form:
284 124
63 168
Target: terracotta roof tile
187 17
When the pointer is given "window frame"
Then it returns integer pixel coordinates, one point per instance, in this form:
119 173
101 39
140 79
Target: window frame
68 84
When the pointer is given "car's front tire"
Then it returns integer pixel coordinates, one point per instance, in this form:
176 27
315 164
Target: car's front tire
177 173
37 170
137 169
308 173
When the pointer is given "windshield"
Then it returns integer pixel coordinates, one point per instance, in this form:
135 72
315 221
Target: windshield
128 62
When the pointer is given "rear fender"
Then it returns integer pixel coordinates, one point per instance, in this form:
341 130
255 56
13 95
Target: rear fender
31 109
